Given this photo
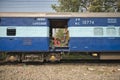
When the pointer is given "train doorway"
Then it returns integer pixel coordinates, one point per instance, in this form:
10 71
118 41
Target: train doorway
59 34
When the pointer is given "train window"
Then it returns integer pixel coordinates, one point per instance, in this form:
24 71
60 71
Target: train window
98 31
11 32
111 31
0 20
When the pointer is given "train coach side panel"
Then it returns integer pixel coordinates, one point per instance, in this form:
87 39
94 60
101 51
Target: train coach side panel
24 34
94 34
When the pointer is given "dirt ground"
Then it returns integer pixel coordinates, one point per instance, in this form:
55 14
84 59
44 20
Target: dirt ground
61 71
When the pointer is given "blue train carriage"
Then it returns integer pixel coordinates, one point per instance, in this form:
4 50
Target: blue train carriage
99 35
24 34
27 36
19 35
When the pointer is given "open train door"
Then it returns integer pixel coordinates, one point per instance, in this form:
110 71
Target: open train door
59 31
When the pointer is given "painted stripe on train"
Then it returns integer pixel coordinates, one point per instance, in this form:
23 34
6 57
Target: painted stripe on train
94 31
26 31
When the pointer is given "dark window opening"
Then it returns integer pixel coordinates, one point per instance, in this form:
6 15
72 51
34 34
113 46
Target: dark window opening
0 20
11 32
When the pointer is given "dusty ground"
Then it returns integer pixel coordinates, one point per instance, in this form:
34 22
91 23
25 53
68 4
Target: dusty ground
63 71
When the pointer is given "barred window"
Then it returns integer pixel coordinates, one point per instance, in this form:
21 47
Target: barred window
98 31
111 31
11 32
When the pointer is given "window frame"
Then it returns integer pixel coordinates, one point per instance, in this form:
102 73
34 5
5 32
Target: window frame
11 32
114 33
100 31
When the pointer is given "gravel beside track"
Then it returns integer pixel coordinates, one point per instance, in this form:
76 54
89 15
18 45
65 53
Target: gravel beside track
61 71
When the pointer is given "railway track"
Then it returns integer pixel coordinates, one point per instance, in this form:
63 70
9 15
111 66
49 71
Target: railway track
79 69
76 61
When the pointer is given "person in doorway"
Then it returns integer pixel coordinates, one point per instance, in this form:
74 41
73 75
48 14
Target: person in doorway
56 42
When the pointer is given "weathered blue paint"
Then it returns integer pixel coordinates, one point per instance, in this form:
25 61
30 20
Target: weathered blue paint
24 44
98 44
94 44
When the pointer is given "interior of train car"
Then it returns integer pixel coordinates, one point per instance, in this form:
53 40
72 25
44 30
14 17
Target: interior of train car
59 34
